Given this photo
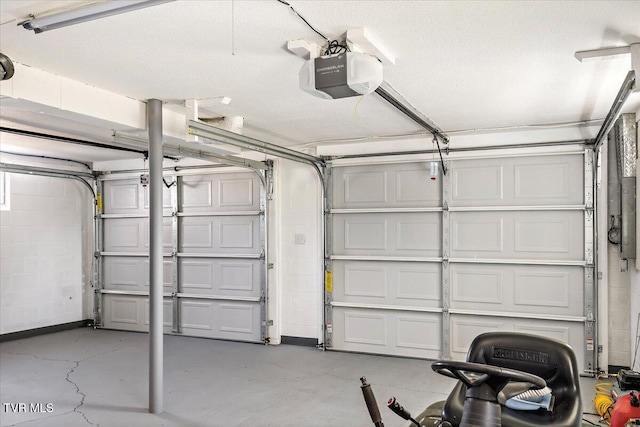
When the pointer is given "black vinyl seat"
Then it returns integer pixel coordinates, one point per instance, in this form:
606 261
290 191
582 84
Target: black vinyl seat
548 358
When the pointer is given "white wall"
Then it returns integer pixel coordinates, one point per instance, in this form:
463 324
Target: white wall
43 254
299 264
619 310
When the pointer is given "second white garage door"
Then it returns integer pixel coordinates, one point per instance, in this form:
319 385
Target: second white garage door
421 267
214 240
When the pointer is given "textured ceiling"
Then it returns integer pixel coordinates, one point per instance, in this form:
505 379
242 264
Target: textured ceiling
464 64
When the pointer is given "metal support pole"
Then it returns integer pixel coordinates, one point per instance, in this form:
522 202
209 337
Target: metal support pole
154 117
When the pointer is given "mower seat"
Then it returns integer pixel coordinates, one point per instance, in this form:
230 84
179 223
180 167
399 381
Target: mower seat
548 358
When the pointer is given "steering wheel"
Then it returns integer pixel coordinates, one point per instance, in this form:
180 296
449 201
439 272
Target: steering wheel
483 382
474 374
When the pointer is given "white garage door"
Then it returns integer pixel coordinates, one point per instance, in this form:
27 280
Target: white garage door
214 240
420 267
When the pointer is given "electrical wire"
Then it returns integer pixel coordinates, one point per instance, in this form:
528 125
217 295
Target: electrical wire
305 21
144 169
444 169
613 235
334 47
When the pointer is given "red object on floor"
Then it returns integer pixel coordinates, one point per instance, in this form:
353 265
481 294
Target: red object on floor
623 410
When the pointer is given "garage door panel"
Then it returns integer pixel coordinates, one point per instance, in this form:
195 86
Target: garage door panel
477 183
388 332
518 181
465 328
413 186
387 283
535 289
129 197
544 182
220 234
392 234
224 277
132 274
540 235
132 235
220 193
477 286
122 197
220 319
131 313
123 273
398 185
365 187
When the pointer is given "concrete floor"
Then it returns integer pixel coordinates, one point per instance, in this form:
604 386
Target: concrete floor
100 378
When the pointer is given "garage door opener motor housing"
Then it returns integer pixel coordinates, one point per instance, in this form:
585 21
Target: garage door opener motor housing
340 76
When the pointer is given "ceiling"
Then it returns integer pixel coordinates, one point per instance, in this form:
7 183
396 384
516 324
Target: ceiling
464 64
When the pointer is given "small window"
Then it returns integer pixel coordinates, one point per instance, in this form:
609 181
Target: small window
4 191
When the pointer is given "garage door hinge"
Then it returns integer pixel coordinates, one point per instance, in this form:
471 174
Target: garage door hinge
96 254
269 266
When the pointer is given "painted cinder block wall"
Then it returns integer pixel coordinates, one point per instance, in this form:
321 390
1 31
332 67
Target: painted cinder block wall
299 259
44 259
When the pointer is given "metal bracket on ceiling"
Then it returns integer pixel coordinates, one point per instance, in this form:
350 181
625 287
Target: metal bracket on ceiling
633 50
361 40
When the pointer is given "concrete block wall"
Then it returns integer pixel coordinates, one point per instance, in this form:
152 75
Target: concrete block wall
43 240
619 310
299 261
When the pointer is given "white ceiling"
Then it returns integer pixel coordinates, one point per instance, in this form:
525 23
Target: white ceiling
464 64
